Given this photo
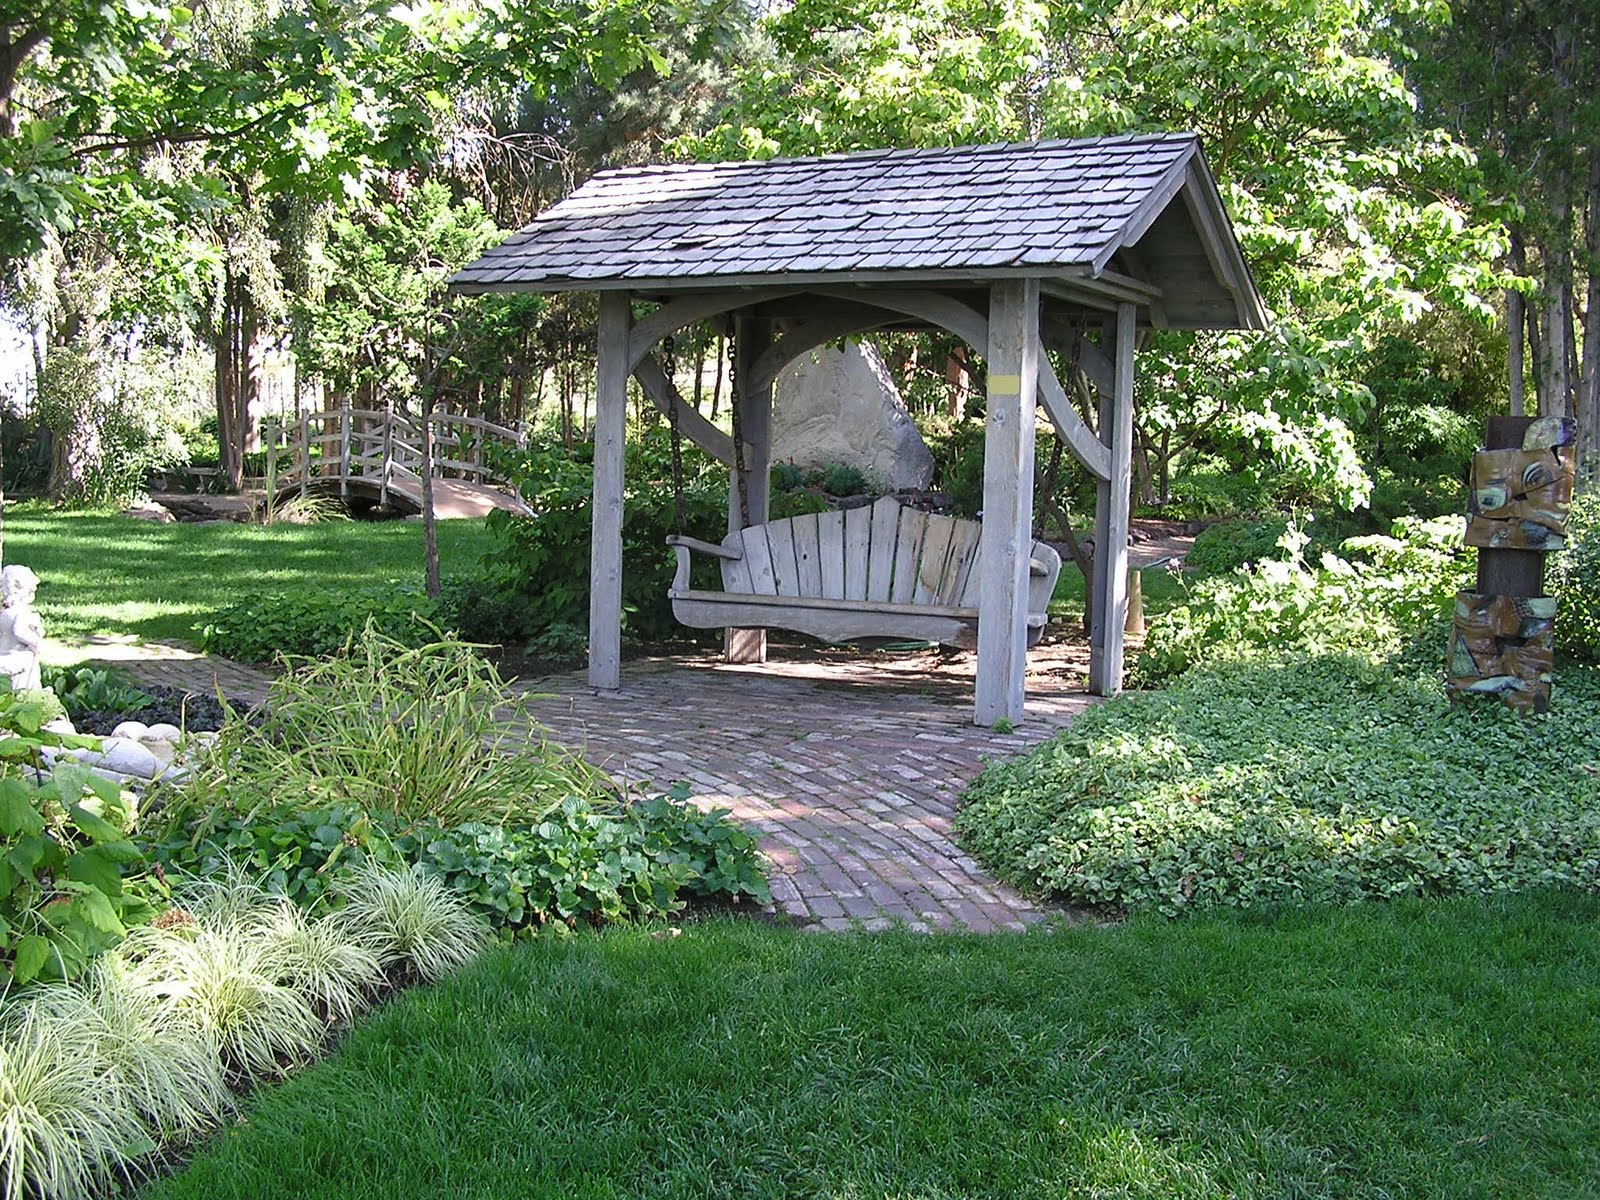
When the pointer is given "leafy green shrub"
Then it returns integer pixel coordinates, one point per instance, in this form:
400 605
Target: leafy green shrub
1313 779
315 624
1385 593
408 734
94 689
1229 545
291 851
544 559
580 864
1575 580
65 844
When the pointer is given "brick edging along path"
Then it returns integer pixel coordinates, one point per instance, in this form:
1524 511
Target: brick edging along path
847 770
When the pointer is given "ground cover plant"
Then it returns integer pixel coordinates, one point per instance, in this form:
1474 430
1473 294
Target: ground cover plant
1446 1050
1307 779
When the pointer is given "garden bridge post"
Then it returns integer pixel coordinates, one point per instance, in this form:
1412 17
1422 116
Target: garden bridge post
605 550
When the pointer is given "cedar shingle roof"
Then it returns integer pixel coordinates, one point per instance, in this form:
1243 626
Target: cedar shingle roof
965 212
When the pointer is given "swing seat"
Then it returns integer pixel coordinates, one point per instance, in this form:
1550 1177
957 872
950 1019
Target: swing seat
879 571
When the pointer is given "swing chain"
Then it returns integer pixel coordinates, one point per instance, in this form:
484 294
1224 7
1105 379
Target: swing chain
741 483
669 350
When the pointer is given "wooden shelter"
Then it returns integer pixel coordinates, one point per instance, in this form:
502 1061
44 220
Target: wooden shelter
1072 246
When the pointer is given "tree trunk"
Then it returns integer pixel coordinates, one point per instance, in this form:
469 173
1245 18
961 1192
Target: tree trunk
1516 329
1589 374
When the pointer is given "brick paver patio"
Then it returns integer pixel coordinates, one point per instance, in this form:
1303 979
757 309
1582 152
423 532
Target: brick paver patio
847 769
848 772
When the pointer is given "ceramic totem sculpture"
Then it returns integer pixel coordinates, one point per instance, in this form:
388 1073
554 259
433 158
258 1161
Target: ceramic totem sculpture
1501 643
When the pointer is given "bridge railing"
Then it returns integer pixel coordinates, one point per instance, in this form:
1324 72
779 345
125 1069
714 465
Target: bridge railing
382 447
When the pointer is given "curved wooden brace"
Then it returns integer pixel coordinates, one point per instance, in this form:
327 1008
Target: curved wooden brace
675 314
972 327
663 393
809 336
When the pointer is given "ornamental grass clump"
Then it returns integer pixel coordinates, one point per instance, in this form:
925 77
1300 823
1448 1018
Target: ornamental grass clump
426 734
227 982
412 920
319 958
66 1126
166 1068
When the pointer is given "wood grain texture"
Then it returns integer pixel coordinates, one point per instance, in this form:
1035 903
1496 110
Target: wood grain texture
1013 354
1112 511
605 547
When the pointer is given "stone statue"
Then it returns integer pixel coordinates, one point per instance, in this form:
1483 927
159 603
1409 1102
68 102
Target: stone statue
21 630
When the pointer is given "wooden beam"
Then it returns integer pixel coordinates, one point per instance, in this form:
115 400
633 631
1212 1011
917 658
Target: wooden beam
1012 356
663 392
605 546
809 336
752 338
1111 514
676 314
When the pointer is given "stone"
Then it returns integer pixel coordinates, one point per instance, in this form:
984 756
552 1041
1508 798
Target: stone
162 731
149 510
137 730
164 750
21 630
61 725
842 406
122 756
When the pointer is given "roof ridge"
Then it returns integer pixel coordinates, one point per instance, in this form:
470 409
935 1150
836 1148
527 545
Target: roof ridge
900 152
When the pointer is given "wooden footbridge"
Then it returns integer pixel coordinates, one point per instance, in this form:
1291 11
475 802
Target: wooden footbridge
379 457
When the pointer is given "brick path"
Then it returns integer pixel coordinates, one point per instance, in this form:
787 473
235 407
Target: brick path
848 770
849 774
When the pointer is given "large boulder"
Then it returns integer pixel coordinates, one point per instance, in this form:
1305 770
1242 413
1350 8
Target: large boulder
841 406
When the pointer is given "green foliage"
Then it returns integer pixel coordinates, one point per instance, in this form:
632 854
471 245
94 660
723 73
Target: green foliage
579 864
1575 580
375 286
408 734
63 897
94 689
544 559
1228 545
1310 779
1389 589
293 850
313 624
1350 237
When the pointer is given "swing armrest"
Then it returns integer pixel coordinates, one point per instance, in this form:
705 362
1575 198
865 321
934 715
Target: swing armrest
682 544
689 543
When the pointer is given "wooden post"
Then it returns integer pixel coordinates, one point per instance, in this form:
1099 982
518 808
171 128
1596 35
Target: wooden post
605 547
387 469
752 337
1111 514
344 447
1007 539
305 454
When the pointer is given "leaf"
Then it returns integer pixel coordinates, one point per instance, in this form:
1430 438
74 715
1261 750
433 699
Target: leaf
18 813
97 827
33 952
97 911
94 868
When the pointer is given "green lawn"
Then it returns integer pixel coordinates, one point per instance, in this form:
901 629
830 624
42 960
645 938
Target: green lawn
107 574
1437 1050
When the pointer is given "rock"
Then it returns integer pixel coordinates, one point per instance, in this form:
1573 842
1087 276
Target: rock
137 730
841 406
149 510
162 731
164 750
124 757
61 725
